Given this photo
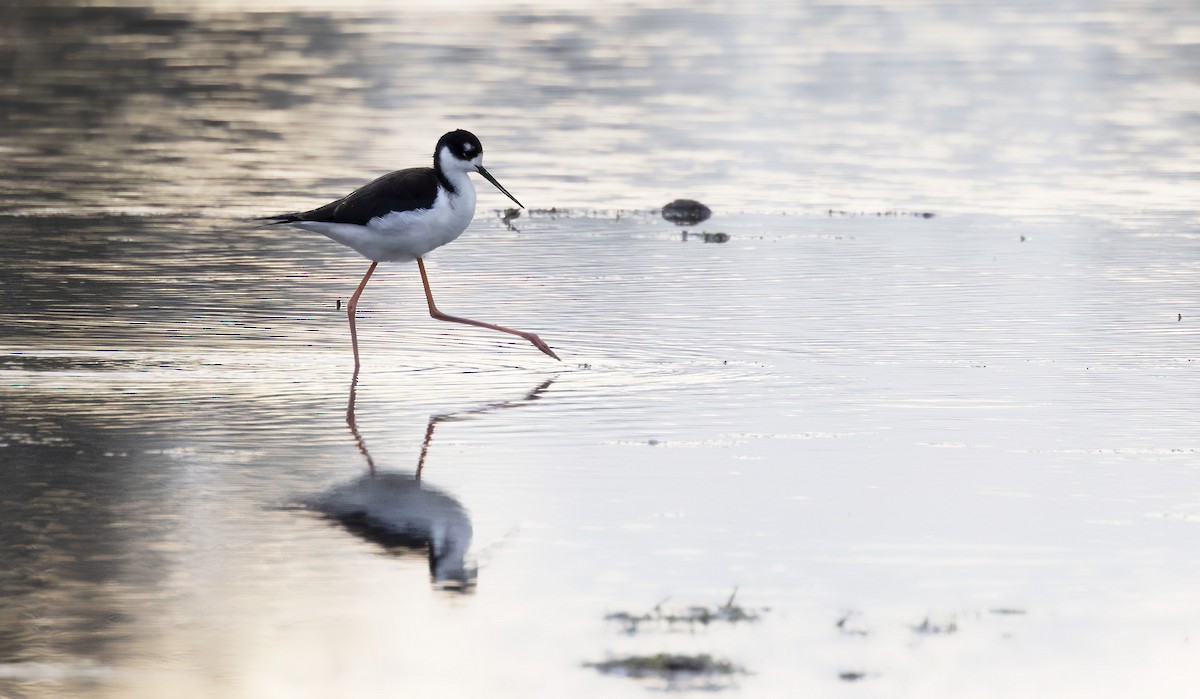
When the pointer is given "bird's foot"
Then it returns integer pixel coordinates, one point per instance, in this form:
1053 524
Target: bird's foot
537 342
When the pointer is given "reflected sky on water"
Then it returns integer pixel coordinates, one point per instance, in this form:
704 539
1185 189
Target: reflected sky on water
1076 107
877 426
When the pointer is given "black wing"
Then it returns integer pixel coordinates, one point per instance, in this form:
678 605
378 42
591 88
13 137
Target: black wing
403 190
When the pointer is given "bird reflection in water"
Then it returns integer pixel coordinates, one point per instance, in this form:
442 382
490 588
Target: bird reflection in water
403 514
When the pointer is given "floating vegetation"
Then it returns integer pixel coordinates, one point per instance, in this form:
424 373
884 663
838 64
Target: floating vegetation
706 237
845 625
929 627
664 664
897 214
677 671
508 216
553 211
689 617
556 213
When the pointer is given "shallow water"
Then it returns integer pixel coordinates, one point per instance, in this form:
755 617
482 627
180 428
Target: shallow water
947 456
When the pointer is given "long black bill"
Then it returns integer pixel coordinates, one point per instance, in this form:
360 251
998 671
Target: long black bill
488 176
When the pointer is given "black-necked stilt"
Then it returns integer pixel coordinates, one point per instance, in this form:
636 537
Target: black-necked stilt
405 214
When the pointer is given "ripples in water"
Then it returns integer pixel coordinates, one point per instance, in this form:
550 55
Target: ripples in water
959 406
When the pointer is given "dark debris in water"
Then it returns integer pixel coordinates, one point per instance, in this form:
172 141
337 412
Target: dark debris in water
852 676
706 237
508 216
846 624
690 617
678 671
930 627
1007 611
895 214
560 212
557 212
667 666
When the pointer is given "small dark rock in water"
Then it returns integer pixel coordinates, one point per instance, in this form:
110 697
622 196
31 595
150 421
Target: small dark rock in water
686 212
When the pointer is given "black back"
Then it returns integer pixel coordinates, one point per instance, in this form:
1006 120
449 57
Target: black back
404 190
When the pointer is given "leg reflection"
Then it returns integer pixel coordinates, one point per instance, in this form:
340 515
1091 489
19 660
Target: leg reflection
402 514
353 425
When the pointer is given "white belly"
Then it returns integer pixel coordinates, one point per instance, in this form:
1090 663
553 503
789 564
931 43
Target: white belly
403 236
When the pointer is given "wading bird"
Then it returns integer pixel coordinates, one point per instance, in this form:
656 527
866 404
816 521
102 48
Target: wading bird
404 215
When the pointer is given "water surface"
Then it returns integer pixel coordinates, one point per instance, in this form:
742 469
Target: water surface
946 456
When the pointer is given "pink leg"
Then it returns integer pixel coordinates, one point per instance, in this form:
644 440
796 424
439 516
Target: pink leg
433 311
350 308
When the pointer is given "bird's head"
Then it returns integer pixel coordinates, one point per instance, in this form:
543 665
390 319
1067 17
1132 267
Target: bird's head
461 151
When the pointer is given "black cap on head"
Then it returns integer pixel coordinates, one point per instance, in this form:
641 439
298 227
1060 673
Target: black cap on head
462 144
466 147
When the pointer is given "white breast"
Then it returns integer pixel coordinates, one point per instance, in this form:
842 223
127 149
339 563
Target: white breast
403 236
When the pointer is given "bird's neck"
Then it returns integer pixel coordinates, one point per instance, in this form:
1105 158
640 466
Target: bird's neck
457 185
450 175
446 182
